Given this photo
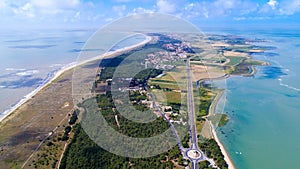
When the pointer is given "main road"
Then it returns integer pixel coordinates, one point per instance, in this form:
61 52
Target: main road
194 154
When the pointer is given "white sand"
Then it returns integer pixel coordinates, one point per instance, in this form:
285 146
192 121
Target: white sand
215 136
224 152
66 68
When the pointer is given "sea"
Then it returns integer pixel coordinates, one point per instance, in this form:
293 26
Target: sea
30 58
264 110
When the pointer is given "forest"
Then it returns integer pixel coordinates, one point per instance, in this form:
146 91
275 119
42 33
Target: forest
84 153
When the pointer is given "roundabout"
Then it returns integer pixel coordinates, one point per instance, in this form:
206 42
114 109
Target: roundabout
194 154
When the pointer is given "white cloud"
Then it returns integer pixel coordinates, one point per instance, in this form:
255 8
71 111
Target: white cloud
2 4
220 8
123 0
205 14
272 4
41 8
119 9
189 6
165 6
109 19
25 10
252 18
141 10
289 7
226 4
77 15
56 4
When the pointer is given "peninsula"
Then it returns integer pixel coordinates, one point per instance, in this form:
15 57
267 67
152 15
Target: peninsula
44 131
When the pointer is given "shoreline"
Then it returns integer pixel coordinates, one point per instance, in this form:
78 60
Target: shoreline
212 110
223 150
59 72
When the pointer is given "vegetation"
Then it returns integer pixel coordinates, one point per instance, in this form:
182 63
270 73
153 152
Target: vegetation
146 74
159 84
83 153
206 97
173 97
234 60
253 62
223 120
240 69
212 150
49 155
74 117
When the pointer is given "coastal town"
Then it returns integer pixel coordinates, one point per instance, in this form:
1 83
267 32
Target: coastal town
146 91
161 88
149 84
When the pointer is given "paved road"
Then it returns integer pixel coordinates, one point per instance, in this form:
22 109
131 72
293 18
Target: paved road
191 109
163 115
192 121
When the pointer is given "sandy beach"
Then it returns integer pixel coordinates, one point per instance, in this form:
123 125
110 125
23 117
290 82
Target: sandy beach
105 55
224 152
66 68
212 110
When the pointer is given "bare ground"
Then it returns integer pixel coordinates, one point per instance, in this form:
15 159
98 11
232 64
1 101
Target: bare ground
25 129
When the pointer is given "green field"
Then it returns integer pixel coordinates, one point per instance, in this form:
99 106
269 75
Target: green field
234 60
165 85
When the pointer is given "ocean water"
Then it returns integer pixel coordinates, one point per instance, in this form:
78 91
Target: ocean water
263 131
29 58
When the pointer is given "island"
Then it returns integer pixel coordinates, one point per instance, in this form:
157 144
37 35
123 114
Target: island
176 85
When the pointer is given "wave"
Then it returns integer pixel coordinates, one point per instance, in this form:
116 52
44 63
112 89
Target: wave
56 65
29 95
27 73
287 86
14 69
32 46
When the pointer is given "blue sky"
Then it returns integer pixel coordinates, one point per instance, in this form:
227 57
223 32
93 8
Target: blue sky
95 13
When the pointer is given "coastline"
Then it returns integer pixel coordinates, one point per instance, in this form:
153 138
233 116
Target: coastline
59 72
212 110
56 74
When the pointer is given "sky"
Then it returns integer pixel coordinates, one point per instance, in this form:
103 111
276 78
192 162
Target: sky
95 13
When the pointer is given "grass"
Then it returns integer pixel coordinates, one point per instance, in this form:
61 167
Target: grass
234 60
158 96
253 62
165 85
178 74
220 119
163 81
173 97
223 120
199 126
167 96
165 78
23 130
174 79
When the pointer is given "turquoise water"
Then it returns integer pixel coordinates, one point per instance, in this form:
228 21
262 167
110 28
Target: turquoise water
264 111
29 58
263 131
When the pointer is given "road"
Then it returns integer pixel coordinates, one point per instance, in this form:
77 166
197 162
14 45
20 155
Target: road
191 109
192 123
170 124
